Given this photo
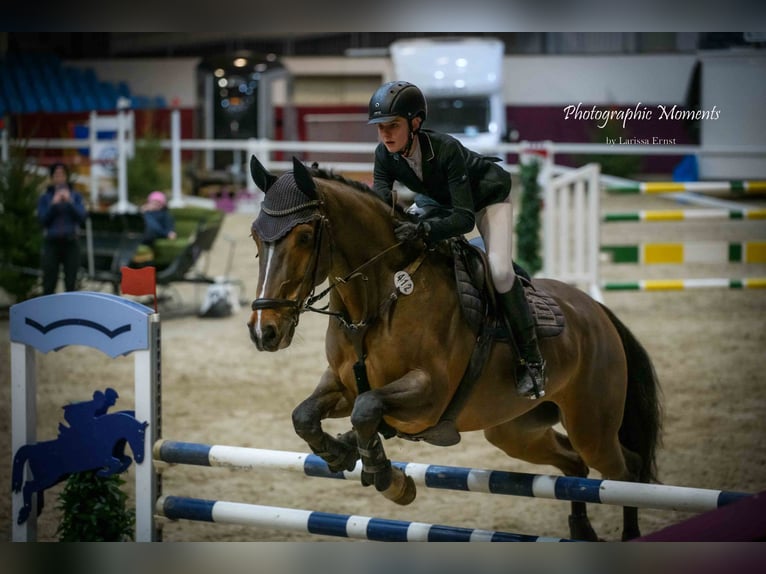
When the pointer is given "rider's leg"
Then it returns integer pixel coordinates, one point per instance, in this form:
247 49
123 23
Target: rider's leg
495 224
530 377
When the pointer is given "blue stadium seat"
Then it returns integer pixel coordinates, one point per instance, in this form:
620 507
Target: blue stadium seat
32 82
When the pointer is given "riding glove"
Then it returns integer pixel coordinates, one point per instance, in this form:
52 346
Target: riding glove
409 231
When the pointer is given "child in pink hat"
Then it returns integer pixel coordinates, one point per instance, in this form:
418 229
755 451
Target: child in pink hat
158 221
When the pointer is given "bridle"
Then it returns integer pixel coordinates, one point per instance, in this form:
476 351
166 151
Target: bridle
306 303
298 305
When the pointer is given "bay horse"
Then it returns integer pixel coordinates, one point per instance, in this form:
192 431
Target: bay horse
398 345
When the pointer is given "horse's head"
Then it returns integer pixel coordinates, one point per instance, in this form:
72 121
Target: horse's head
288 235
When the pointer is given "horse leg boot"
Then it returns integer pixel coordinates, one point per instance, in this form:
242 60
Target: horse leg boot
530 375
377 469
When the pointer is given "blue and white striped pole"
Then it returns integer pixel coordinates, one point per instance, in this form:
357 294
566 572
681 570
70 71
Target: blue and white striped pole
329 524
613 492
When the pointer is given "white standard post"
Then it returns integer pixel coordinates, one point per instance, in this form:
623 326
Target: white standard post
122 164
580 229
92 138
550 208
251 151
23 430
175 157
5 154
594 230
148 382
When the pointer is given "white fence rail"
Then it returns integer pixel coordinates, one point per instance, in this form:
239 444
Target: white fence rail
265 149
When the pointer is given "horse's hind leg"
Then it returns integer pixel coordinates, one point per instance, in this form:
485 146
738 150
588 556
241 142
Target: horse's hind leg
531 438
601 449
326 400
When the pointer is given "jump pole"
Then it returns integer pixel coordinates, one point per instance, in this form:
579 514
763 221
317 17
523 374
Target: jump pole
662 215
613 492
735 187
330 524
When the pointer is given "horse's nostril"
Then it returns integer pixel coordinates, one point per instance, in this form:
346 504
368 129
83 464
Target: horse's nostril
269 334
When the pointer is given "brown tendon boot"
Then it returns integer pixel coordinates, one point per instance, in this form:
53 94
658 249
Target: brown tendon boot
530 375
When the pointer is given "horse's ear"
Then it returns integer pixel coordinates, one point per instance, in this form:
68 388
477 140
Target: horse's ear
303 179
262 178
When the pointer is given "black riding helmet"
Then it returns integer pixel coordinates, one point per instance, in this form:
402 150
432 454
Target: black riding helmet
396 99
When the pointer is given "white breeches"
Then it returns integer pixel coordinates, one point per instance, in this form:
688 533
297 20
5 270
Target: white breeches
495 223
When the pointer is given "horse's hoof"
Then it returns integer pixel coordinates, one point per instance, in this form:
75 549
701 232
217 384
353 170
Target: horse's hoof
402 489
581 529
630 535
340 462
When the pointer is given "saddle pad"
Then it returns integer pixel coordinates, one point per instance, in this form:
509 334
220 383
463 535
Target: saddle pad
548 316
474 283
472 298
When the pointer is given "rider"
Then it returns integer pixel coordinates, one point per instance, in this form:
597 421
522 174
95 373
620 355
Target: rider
80 415
472 190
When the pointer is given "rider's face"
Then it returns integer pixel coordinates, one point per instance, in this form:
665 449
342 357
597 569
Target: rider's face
394 134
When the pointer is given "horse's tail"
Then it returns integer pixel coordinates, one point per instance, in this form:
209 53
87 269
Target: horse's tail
19 461
642 420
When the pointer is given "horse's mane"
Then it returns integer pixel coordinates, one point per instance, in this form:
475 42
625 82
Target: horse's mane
353 183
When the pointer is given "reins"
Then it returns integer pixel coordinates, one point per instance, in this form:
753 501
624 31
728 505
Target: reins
308 302
312 299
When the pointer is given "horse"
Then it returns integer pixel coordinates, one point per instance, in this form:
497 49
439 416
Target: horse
102 447
398 346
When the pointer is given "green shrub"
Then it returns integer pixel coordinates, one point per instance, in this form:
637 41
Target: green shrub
94 510
146 170
528 223
20 232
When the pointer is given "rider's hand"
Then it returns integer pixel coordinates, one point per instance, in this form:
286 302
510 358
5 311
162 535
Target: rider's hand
410 231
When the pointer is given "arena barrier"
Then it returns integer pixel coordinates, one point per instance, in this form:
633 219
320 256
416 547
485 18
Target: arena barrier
656 496
572 249
735 187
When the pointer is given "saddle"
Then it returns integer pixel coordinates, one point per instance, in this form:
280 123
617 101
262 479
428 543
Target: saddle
476 293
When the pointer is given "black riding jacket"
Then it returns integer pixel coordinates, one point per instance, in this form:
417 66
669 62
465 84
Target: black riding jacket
459 179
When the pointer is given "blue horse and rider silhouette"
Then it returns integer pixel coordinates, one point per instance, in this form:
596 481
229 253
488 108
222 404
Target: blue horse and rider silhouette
94 440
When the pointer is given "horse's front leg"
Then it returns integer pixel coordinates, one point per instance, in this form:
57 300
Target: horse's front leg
327 400
409 393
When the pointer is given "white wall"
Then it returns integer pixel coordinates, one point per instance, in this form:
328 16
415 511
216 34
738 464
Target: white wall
529 80
735 83
562 80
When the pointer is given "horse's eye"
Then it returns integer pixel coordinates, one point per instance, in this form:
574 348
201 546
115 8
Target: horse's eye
304 239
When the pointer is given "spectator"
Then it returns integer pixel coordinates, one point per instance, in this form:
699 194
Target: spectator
158 221
61 212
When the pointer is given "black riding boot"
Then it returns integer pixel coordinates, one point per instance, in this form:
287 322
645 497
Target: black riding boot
530 374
